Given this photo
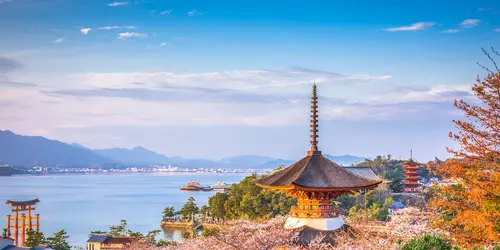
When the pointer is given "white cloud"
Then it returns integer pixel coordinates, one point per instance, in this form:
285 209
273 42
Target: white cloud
497 30
124 35
434 94
194 13
116 27
5 1
163 44
114 4
451 31
59 40
413 27
166 12
470 23
484 9
85 31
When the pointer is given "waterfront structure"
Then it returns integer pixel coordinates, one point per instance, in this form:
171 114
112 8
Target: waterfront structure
220 187
315 181
20 223
192 186
411 176
104 242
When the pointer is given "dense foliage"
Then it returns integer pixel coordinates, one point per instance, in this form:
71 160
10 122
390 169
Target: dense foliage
392 170
34 238
470 209
428 242
246 200
190 208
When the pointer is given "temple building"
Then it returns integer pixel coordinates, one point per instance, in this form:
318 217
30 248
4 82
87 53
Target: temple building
104 242
315 181
411 176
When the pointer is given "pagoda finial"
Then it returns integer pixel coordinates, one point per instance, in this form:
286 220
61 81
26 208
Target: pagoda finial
314 121
411 154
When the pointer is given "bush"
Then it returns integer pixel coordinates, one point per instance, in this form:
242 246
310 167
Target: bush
210 232
428 242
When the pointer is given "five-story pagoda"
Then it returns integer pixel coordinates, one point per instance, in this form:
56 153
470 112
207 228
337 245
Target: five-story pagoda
314 181
411 176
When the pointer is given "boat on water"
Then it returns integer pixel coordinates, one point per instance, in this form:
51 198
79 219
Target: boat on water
206 188
220 187
192 186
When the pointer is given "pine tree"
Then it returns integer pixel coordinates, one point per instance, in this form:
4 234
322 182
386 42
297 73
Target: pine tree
58 241
34 238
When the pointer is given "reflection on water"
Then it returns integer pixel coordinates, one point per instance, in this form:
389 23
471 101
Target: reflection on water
176 233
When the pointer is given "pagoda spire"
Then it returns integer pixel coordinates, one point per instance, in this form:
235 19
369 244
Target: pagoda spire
314 122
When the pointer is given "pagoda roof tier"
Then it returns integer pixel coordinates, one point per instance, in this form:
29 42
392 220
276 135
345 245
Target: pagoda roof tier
316 172
412 185
411 167
407 176
21 203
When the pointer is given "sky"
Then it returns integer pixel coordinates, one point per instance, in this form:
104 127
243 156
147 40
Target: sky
214 79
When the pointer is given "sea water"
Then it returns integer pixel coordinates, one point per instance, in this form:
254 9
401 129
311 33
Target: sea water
80 203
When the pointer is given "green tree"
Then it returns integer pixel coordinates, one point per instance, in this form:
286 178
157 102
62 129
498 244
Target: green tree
168 212
59 241
428 242
209 232
189 208
397 185
205 210
216 204
119 230
34 238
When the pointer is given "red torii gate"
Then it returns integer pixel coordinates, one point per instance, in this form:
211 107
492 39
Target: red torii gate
22 222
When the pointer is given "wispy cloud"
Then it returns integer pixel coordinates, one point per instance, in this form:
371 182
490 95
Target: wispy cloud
166 12
414 27
163 44
85 31
8 65
124 35
195 12
12 84
5 1
497 30
116 27
470 23
114 4
451 31
484 9
59 40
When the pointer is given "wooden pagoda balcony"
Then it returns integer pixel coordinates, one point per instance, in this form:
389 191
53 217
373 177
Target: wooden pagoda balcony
314 211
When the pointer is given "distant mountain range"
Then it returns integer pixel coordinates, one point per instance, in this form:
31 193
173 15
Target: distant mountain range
36 150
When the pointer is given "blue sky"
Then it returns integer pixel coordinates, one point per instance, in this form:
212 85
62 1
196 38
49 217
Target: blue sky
211 79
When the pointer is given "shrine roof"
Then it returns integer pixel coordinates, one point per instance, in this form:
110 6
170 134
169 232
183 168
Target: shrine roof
20 203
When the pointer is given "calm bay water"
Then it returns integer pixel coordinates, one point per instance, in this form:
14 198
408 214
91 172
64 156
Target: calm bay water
80 203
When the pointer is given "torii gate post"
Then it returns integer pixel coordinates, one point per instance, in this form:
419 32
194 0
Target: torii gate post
20 223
